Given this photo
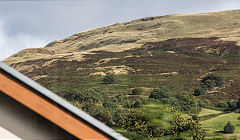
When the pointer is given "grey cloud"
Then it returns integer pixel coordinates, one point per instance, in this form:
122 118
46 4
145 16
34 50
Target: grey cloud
48 18
46 21
62 18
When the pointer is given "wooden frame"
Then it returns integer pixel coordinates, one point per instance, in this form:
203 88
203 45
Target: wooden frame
47 109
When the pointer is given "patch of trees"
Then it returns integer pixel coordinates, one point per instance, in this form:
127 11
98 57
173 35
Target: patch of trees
209 81
89 95
97 103
154 115
183 101
222 104
187 103
185 126
232 105
159 121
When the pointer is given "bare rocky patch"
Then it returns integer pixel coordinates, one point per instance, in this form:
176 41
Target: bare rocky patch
116 70
39 77
169 74
104 61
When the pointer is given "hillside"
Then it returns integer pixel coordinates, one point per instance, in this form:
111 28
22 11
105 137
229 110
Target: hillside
174 51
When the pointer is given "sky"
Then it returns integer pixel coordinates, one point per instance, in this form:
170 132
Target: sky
35 23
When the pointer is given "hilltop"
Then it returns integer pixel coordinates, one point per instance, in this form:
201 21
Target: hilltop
174 52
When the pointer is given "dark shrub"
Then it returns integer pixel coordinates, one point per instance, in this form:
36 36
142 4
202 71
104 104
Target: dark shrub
199 91
128 104
117 114
210 83
69 96
166 101
237 110
195 117
99 112
222 104
119 97
110 105
202 104
232 104
229 128
134 121
160 93
109 79
137 91
213 80
137 104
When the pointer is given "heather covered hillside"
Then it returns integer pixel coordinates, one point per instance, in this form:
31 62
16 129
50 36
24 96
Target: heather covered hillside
174 76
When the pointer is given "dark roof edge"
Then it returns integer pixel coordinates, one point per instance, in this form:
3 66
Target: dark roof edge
50 95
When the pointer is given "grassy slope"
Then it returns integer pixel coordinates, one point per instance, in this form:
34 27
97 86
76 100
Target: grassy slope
206 111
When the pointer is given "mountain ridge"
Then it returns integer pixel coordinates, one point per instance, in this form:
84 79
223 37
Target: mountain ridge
133 34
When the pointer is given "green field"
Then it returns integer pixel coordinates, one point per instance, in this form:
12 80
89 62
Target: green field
214 126
206 111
